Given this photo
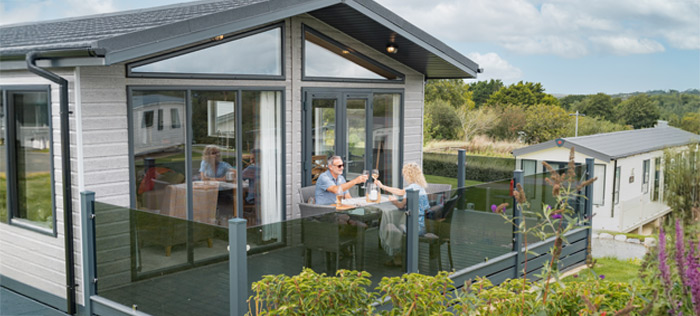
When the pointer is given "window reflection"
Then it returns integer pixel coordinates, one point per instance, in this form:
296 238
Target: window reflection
214 154
257 54
262 159
325 59
3 164
385 134
32 137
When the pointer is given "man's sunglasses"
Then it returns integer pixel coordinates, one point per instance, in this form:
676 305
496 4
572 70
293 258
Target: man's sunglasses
340 165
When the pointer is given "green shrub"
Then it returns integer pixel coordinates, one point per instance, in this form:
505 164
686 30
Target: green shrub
478 168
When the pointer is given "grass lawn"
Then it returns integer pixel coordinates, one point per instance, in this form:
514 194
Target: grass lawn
613 269
446 180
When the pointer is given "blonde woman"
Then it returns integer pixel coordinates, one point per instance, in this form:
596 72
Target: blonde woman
212 167
413 176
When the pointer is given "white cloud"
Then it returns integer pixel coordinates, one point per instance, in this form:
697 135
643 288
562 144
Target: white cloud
621 45
496 67
568 28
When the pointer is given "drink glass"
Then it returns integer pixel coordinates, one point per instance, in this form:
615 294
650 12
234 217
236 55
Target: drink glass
339 198
375 174
365 173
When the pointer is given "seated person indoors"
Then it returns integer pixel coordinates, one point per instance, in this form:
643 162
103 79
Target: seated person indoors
252 174
212 167
332 181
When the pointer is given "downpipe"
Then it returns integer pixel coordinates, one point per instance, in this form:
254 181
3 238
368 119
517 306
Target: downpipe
65 172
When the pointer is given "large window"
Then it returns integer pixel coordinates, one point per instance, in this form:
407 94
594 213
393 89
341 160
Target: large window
25 161
231 166
249 55
327 59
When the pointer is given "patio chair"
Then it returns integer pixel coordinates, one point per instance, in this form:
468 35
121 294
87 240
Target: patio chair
322 232
306 193
438 192
441 226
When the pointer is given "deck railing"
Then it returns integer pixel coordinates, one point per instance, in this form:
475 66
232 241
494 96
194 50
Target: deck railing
140 262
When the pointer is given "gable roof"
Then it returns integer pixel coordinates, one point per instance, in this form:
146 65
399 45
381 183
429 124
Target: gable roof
615 145
132 35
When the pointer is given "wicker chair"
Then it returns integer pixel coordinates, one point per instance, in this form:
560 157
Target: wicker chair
322 232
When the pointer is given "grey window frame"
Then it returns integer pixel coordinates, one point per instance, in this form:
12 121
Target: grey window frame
305 28
135 74
341 94
189 137
616 185
656 191
11 175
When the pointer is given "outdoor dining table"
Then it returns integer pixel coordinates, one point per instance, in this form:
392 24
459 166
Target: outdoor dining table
392 221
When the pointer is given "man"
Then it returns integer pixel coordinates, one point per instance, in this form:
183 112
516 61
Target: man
332 181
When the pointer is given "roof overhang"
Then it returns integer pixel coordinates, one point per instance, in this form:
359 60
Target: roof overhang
364 20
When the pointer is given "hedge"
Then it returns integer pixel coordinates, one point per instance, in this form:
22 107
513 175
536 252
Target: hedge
479 168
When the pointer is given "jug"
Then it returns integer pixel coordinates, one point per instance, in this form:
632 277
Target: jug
372 192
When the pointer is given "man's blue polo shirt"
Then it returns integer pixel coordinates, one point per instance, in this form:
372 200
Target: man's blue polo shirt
325 181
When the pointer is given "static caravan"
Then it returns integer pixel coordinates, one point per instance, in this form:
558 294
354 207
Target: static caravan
126 104
628 195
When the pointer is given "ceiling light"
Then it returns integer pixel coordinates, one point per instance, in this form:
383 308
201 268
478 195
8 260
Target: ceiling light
391 48
218 37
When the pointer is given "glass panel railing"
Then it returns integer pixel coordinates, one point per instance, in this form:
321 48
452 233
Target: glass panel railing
161 265
540 195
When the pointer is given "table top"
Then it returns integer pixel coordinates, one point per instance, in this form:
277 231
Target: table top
349 204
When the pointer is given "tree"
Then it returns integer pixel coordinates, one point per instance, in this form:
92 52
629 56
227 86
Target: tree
454 91
482 90
511 121
599 105
568 101
682 182
522 94
639 111
691 122
441 121
477 121
591 125
545 122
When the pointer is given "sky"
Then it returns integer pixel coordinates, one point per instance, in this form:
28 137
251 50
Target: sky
570 46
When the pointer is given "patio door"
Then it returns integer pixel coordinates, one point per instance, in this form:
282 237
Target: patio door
347 124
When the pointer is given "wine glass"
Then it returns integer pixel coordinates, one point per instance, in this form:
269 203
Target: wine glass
375 174
365 173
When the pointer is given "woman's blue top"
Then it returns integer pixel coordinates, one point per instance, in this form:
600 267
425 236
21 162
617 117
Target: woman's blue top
423 205
221 168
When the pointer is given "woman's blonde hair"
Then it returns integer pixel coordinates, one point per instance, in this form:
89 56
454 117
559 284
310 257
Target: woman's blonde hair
412 173
209 156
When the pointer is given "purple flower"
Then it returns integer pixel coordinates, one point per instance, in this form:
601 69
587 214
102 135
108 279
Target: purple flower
664 268
575 275
494 207
556 216
692 276
548 208
602 276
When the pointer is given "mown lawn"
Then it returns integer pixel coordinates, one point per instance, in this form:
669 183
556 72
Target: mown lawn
612 269
446 180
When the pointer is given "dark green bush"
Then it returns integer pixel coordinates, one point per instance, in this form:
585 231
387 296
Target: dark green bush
478 168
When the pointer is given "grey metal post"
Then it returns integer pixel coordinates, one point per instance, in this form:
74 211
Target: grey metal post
588 216
237 267
87 215
517 220
412 231
461 167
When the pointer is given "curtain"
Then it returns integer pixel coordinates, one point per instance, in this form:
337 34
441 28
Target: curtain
270 143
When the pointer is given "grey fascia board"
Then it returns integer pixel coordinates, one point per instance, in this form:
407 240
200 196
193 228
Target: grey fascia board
533 148
407 30
201 29
54 63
